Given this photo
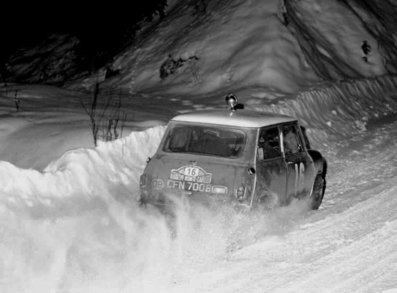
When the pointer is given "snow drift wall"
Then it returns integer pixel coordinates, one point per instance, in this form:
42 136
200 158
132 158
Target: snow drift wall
81 175
341 109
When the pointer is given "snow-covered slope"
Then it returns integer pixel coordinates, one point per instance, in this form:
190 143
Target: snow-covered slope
281 46
202 47
249 47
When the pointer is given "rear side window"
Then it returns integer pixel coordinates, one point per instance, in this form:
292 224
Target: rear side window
205 140
292 142
269 143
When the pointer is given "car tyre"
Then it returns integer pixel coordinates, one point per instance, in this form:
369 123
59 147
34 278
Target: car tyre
318 191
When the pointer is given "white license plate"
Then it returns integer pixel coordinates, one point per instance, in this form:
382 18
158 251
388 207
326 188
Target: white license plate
196 186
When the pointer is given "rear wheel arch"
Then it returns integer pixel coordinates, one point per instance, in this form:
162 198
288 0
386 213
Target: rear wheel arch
319 161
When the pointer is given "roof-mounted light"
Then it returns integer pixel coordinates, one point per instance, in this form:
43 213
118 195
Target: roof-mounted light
231 101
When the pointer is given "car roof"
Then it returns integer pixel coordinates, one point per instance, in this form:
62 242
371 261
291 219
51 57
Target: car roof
242 118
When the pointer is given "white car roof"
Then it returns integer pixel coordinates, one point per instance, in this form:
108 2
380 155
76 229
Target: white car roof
241 118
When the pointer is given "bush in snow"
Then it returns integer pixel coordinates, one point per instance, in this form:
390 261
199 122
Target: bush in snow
171 65
107 120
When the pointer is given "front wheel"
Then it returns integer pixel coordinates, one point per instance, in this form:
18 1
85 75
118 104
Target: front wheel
318 192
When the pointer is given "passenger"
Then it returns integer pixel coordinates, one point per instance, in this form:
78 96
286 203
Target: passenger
269 152
290 143
179 139
269 144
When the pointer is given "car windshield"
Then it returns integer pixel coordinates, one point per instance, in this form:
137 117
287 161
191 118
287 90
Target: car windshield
205 140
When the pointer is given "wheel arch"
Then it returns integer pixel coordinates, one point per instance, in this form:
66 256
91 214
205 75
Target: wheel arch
319 161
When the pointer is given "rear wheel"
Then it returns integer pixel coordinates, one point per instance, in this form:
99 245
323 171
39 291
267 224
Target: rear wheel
318 191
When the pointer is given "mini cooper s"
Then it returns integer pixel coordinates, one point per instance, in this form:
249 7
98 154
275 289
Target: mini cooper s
237 156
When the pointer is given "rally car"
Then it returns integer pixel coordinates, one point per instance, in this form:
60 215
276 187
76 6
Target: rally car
243 157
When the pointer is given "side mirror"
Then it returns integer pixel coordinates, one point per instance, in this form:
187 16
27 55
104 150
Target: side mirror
251 171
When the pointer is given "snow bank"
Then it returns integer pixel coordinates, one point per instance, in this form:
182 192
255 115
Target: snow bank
339 110
83 173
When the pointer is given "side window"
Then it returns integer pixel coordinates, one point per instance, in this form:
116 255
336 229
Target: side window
292 143
269 144
179 139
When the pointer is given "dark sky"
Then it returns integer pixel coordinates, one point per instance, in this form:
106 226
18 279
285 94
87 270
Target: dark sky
99 24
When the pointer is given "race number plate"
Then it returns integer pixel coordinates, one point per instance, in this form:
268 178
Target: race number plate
193 178
191 173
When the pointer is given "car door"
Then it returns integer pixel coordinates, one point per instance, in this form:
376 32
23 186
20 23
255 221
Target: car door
300 167
271 167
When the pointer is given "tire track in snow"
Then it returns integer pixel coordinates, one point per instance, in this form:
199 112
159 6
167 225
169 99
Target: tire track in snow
339 253
368 159
367 252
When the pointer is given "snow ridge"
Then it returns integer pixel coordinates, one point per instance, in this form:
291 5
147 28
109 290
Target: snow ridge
339 109
82 173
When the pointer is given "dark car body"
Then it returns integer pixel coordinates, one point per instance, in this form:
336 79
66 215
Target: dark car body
242 157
